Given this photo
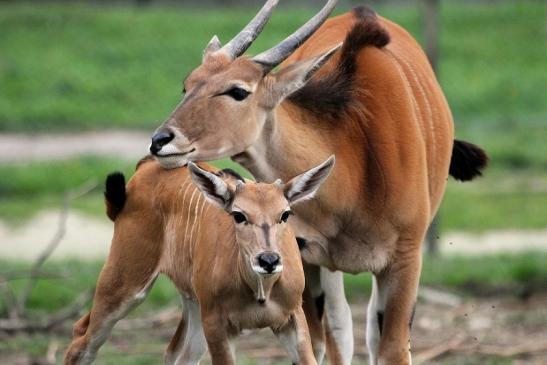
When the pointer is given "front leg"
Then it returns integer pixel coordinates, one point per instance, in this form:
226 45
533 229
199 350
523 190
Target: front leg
295 338
188 344
216 333
391 308
338 322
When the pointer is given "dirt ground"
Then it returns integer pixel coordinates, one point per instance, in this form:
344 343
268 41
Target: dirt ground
497 330
18 148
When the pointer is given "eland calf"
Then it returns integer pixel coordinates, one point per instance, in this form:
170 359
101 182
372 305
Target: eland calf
223 242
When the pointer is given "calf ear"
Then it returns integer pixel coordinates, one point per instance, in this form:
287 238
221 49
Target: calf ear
305 185
213 188
296 75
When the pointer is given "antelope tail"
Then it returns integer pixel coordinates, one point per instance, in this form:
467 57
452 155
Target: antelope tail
114 194
468 161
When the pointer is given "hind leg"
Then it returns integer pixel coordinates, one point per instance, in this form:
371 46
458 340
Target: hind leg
188 344
113 300
391 308
124 282
313 303
295 339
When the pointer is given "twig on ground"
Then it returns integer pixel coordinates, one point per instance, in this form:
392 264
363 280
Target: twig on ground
436 296
529 347
23 275
9 298
439 350
51 354
46 324
167 316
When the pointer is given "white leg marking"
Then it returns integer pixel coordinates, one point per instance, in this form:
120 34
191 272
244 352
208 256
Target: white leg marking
338 312
289 340
193 344
376 304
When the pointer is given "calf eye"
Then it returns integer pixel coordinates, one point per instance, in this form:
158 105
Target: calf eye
285 216
237 93
239 217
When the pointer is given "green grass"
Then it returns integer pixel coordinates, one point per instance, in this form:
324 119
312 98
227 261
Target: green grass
75 66
502 199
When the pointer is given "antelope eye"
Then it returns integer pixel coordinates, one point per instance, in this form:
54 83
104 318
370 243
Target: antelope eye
237 93
239 217
285 216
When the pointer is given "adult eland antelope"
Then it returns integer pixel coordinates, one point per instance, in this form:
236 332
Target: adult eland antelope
234 260
358 86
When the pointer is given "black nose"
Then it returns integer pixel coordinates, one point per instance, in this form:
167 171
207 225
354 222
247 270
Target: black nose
160 139
268 261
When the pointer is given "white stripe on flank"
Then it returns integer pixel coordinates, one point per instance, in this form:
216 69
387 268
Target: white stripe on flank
200 197
428 117
188 215
201 217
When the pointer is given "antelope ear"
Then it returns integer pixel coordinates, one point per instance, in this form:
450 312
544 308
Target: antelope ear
305 185
213 188
213 46
296 75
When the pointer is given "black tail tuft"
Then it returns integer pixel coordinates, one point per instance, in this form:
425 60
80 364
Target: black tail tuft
114 194
468 161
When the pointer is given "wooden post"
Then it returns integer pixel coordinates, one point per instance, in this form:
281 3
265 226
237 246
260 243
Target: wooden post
430 23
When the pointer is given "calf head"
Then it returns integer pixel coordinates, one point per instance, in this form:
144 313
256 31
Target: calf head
260 212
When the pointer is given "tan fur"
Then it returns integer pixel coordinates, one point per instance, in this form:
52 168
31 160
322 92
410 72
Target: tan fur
393 146
168 227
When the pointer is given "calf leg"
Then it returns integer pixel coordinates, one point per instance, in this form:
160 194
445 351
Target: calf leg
392 306
338 322
114 297
295 338
124 282
217 336
188 344
314 306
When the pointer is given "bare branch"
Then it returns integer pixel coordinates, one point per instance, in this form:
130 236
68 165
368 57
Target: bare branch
439 297
52 245
439 350
9 298
166 317
25 325
23 275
